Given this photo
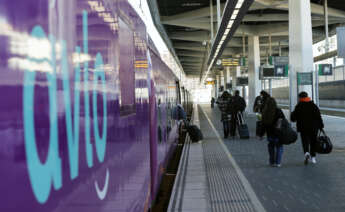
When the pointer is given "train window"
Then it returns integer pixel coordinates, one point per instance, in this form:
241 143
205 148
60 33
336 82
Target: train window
126 71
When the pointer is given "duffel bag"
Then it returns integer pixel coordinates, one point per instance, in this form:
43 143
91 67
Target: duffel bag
195 133
285 133
323 143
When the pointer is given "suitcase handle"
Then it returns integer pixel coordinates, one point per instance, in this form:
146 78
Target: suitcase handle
240 118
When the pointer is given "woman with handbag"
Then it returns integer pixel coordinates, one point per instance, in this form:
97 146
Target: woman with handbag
309 122
270 116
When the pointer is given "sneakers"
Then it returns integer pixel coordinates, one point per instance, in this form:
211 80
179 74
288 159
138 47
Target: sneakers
306 158
278 165
313 160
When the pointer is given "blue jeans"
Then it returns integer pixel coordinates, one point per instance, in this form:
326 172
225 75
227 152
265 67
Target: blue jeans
226 128
275 149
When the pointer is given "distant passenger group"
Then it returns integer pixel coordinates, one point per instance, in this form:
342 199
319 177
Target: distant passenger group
272 122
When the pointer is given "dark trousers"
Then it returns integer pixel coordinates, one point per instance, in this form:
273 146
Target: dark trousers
275 150
226 127
309 142
233 124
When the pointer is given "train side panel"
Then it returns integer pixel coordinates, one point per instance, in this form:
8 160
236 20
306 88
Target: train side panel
75 112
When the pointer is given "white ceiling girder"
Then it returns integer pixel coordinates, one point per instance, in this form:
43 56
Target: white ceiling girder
190 36
195 14
191 54
316 9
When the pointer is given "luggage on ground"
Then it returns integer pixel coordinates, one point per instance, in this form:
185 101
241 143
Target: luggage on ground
195 133
242 127
284 132
260 129
323 143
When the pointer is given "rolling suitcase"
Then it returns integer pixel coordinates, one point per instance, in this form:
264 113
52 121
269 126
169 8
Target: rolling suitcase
195 133
242 127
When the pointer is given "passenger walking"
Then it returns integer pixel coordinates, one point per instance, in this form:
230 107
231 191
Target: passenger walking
238 104
223 104
257 108
309 122
270 115
212 102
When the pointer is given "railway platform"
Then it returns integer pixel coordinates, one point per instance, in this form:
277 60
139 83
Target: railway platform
234 175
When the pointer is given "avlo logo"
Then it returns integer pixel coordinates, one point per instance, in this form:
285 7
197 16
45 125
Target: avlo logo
45 175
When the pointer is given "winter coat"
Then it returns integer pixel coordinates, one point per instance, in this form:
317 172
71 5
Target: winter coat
268 111
238 104
257 108
270 129
308 116
224 104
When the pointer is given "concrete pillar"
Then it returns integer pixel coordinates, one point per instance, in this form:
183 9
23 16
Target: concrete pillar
218 85
213 91
222 78
254 86
225 79
228 76
211 17
218 14
234 78
300 46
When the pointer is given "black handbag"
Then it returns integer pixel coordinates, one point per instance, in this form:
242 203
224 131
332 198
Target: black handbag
285 133
323 143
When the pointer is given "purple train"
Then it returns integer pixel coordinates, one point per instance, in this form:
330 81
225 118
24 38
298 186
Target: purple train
86 112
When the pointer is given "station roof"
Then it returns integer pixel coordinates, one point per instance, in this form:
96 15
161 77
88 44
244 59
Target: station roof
185 27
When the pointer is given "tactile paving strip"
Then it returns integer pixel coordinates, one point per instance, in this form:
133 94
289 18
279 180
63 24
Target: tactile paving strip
227 192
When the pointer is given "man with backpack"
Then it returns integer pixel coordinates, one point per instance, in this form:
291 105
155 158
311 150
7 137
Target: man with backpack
238 105
270 116
309 122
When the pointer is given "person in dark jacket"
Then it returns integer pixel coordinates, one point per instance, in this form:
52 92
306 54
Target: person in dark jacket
257 104
212 102
309 122
223 104
238 104
268 107
271 114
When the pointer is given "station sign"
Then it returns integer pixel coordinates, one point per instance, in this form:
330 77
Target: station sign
210 82
267 71
281 70
242 61
278 60
325 69
270 71
305 78
242 81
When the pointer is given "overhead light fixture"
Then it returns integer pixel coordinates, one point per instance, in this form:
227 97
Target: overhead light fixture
230 24
239 4
233 11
